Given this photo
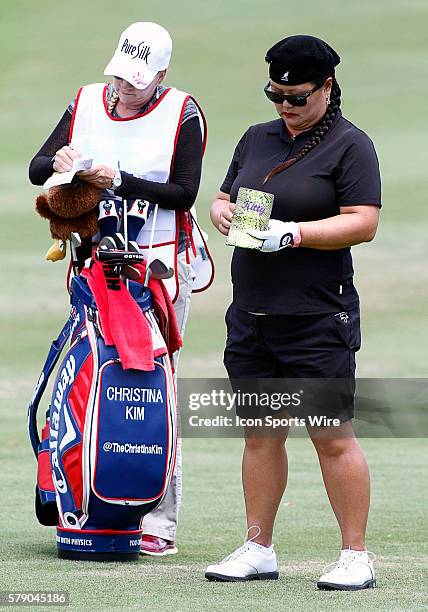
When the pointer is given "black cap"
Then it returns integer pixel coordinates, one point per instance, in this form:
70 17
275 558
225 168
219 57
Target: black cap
301 59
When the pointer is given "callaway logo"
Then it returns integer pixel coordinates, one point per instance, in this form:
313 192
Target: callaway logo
142 51
343 316
70 433
285 76
65 379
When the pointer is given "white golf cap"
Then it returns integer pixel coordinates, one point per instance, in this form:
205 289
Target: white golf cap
144 48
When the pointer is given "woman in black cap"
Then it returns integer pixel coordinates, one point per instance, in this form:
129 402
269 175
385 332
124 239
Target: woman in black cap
295 310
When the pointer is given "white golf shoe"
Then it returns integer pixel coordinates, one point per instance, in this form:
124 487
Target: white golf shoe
251 561
353 572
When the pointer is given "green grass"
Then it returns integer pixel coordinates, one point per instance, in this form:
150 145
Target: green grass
212 525
48 50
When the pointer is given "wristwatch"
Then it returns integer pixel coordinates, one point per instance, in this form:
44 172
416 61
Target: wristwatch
116 181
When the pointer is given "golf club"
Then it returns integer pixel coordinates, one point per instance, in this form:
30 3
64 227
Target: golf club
119 240
149 253
75 243
160 270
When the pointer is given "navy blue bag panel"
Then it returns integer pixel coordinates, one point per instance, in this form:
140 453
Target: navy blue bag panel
132 435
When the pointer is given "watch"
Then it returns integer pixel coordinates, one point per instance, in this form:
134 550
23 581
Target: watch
116 181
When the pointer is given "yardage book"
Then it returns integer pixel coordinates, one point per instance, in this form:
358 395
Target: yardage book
253 210
63 178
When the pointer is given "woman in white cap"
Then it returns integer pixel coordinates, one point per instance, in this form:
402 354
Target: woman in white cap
147 142
295 309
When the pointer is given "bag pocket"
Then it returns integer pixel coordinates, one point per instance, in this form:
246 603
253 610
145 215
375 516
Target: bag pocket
131 438
45 502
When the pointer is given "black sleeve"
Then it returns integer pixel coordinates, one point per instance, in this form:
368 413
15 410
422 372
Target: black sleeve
232 172
358 178
181 190
41 166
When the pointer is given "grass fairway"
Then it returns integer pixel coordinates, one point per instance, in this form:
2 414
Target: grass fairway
48 50
212 525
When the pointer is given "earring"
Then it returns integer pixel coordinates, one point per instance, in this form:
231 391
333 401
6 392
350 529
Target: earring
327 100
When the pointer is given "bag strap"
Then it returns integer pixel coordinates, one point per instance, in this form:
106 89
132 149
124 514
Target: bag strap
51 360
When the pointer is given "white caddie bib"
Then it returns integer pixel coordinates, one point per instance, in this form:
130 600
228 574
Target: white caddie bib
143 146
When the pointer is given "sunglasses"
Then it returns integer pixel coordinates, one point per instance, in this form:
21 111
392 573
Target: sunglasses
294 100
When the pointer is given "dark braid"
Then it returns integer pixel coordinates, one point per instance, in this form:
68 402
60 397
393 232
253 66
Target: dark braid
319 134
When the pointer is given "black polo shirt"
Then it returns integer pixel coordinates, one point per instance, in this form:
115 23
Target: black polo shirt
342 170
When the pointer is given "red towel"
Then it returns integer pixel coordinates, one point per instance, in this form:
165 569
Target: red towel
164 311
124 325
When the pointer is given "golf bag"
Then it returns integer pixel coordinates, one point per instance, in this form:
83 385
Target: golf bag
107 450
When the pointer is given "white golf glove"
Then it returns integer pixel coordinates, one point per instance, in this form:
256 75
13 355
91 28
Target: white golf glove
279 235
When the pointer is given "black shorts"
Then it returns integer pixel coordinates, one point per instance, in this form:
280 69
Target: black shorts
311 347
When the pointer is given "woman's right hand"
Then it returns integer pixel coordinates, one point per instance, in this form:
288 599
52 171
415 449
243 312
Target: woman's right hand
225 218
63 160
222 212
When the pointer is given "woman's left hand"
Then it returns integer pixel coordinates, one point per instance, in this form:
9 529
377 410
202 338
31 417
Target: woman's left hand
279 235
99 176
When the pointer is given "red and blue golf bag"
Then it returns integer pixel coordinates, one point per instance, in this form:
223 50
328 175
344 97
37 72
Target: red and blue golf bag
107 451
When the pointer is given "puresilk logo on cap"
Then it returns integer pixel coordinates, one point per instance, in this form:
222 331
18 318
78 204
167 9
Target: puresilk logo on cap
141 52
144 49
